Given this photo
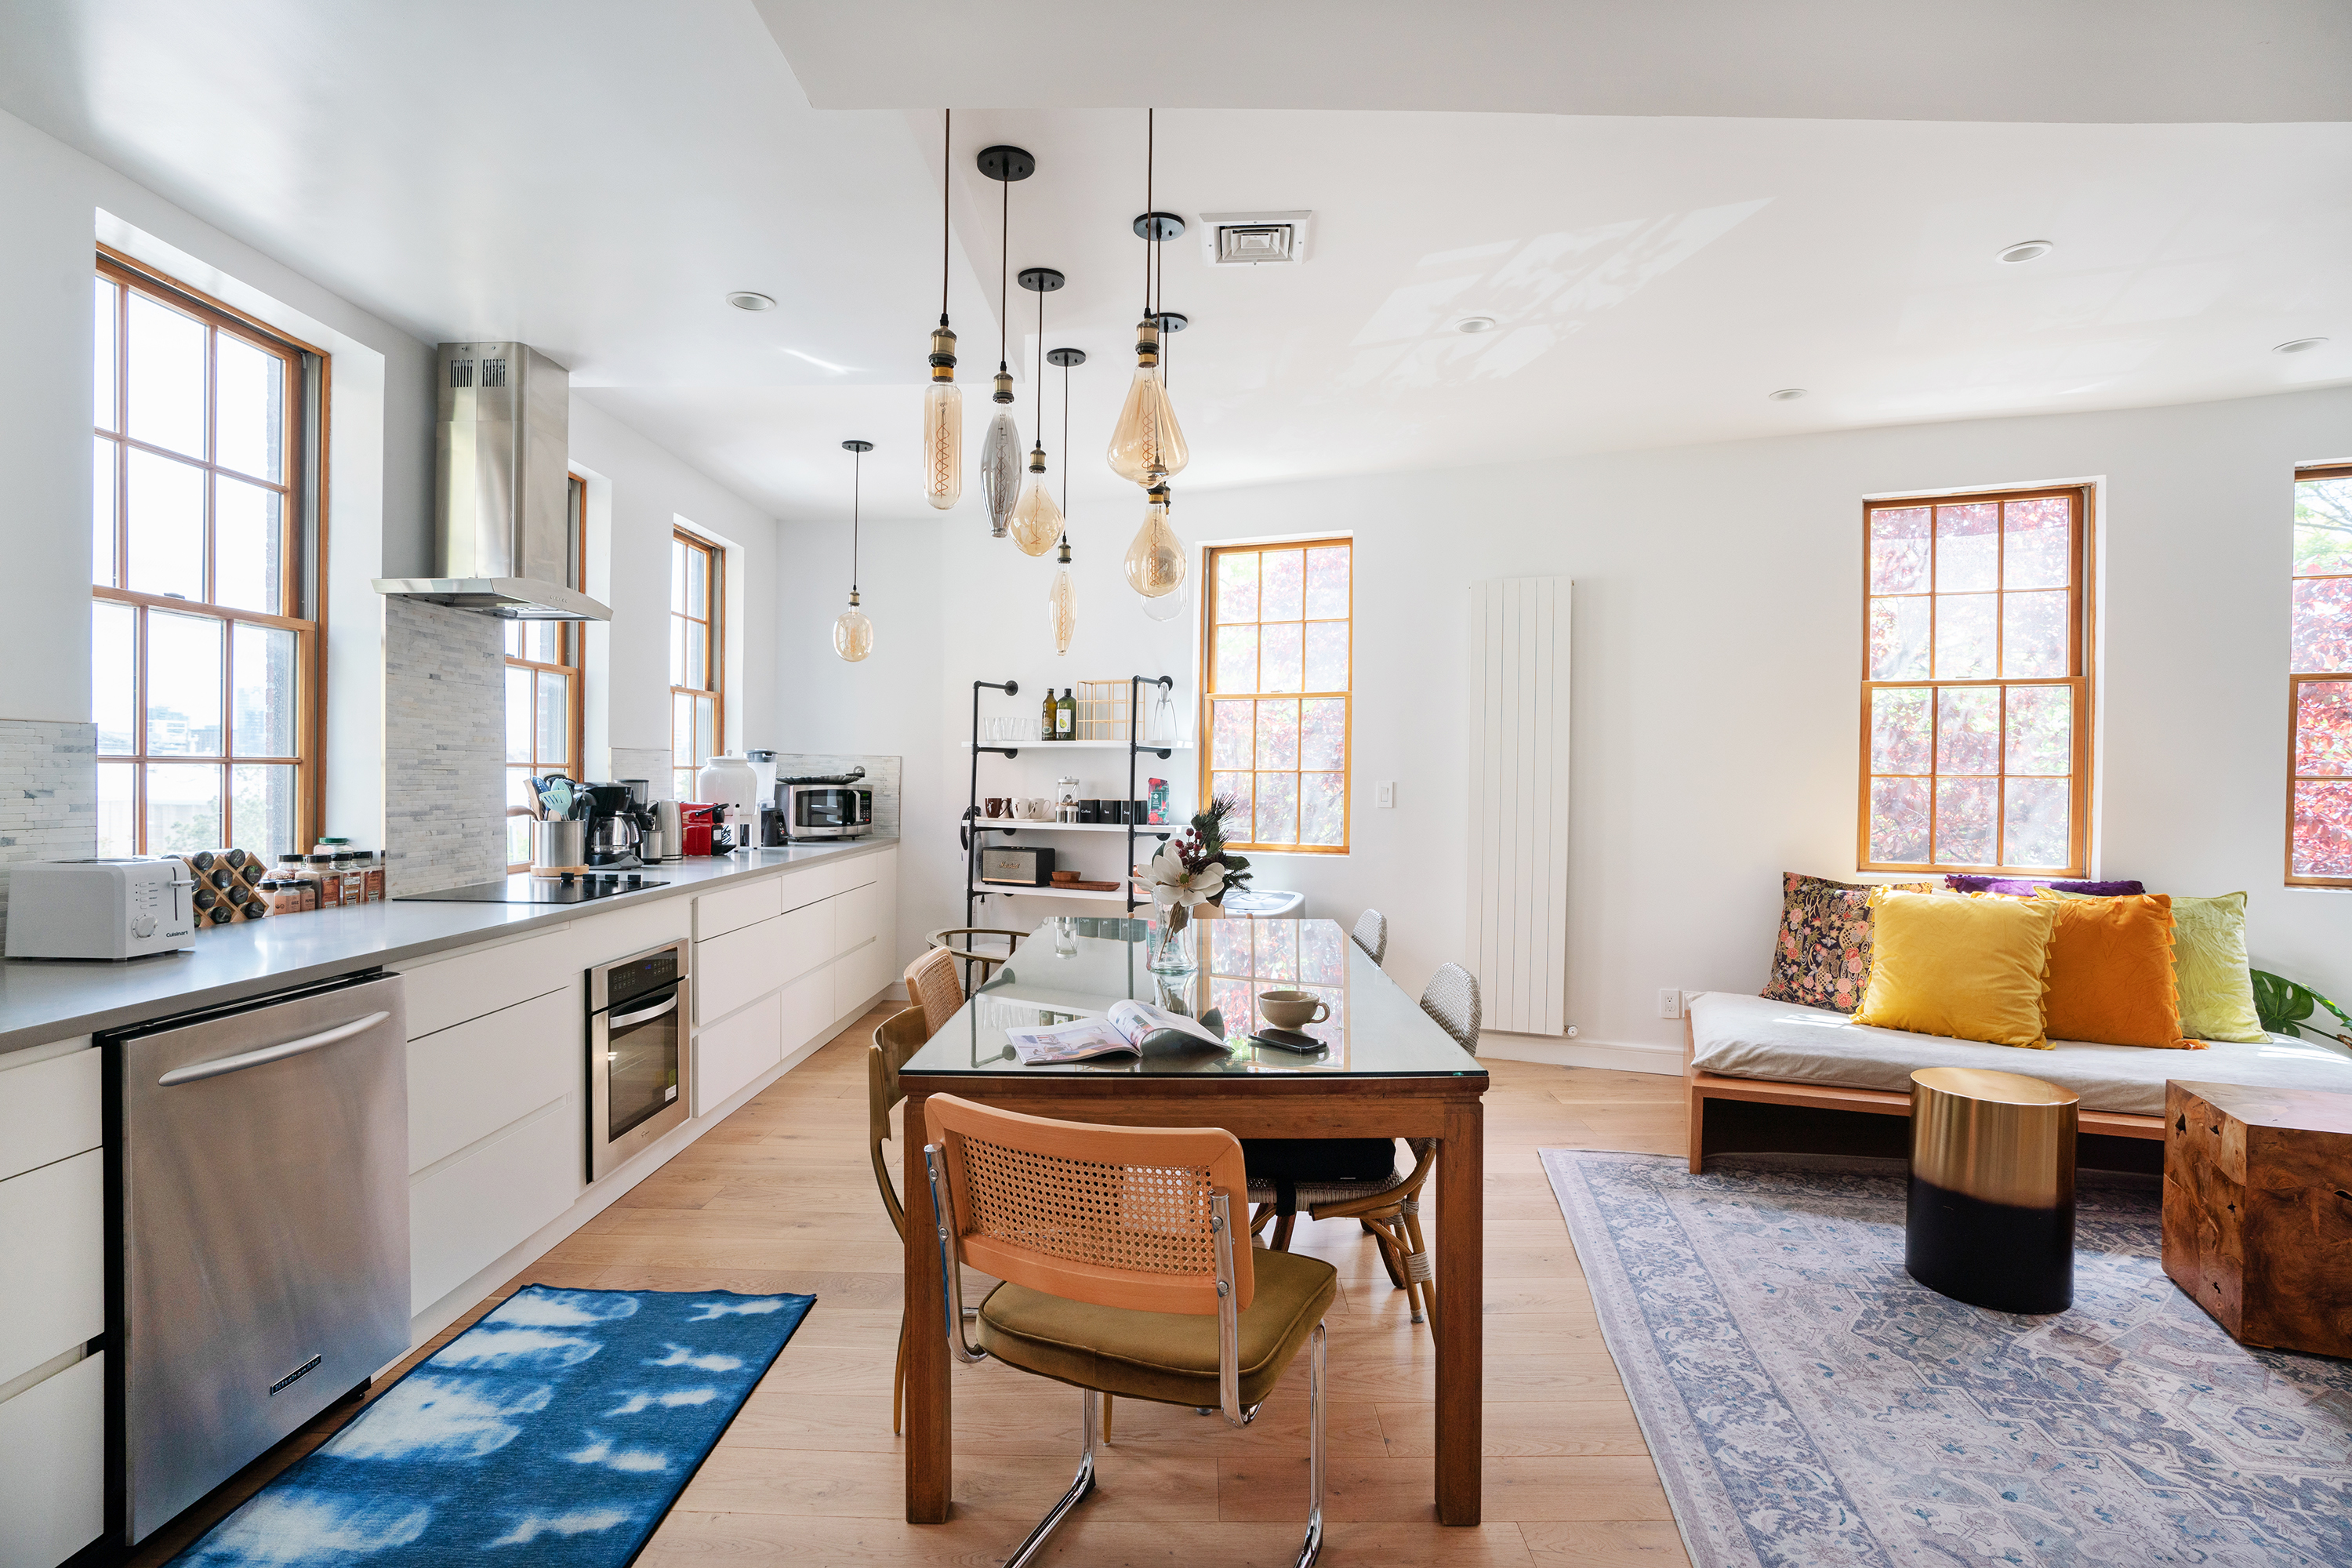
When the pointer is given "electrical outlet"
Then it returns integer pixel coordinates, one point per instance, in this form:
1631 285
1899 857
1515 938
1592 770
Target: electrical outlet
1670 1004
1384 794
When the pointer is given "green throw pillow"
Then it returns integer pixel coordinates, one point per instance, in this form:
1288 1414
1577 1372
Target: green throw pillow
2209 963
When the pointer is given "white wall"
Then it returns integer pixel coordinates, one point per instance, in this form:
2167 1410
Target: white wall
1718 649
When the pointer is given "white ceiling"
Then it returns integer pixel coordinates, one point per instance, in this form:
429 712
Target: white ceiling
593 177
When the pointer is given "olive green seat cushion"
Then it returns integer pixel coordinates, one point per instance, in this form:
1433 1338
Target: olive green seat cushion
1169 1357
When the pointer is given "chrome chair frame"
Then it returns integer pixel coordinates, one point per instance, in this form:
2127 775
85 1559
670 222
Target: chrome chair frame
1229 1375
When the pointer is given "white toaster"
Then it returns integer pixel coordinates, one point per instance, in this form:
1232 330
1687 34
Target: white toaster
101 908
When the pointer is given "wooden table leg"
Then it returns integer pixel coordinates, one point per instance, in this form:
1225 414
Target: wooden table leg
930 1451
1461 1295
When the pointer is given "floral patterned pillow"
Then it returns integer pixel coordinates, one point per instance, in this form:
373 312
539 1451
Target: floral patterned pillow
1822 958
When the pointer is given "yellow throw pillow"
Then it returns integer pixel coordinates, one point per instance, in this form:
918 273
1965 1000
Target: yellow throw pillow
1968 969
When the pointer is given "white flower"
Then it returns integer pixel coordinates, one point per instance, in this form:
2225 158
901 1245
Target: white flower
1170 883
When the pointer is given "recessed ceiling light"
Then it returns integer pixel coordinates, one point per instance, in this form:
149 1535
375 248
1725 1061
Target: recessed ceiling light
1786 394
1475 324
2026 250
2298 345
744 300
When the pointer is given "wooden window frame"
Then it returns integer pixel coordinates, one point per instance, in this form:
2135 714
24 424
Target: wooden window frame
303 546
2295 681
571 652
1205 733
715 647
2080 645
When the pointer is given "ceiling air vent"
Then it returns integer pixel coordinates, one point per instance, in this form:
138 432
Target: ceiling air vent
1253 240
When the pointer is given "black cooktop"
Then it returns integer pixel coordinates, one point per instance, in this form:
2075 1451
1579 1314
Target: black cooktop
530 889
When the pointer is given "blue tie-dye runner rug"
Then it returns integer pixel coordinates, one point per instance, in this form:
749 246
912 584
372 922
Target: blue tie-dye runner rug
558 1430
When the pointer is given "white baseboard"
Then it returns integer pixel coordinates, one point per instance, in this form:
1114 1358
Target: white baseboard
423 1325
1565 1053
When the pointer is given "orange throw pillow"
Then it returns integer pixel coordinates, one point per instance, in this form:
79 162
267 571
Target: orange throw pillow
2111 976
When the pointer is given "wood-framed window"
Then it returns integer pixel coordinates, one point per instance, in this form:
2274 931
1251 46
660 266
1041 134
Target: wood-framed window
1975 693
1276 691
2319 682
544 693
208 660
697 657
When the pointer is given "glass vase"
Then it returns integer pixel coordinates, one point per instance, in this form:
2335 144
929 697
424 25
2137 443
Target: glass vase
1170 939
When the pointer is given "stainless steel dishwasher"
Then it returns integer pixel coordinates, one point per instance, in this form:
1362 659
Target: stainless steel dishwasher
260 1164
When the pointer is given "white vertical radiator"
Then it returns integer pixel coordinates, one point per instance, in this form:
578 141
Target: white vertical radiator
1517 906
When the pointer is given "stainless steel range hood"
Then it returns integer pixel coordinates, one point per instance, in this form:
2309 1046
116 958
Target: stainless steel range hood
502 538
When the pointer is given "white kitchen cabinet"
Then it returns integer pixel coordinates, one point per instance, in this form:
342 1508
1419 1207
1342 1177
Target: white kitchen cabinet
53 1467
467 1081
728 1055
808 1008
49 1110
53 1278
728 971
468 1214
802 940
732 909
854 917
443 992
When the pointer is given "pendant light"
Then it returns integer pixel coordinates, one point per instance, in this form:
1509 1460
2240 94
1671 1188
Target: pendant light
1147 445
1000 452
853 634
1172 605
1062 599
1156 557
943 400
1036 520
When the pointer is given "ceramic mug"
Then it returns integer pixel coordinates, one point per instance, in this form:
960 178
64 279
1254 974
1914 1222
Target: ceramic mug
999 805
1292 1009
1035 808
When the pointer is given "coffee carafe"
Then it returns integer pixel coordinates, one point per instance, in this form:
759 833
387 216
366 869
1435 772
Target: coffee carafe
615 826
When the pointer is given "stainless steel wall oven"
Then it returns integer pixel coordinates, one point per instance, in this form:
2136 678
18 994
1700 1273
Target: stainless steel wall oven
640 1053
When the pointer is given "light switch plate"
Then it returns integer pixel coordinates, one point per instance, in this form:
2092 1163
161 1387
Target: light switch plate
1384 794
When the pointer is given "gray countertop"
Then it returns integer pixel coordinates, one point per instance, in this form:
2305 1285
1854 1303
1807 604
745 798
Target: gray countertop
43 1000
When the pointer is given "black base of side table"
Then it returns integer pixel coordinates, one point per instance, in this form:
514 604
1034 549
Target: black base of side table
2002 1256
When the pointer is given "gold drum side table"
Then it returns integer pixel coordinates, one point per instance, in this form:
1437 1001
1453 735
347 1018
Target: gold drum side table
1991 1215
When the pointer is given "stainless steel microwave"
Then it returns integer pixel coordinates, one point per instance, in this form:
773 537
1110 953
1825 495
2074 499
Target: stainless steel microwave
812 810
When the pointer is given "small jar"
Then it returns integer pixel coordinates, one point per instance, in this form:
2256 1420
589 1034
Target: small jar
347 872
372 870
321 870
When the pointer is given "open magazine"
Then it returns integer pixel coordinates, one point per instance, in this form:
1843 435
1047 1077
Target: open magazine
1126 1030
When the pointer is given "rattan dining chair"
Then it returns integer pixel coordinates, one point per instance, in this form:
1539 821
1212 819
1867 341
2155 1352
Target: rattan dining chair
1390 1206
896 1038
932 986
1371 934
1120 1274
971 953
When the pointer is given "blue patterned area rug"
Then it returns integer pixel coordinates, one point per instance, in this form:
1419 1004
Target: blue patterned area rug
557 1430
1808 1403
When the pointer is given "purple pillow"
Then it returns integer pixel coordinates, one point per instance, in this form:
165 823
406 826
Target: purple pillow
2023 888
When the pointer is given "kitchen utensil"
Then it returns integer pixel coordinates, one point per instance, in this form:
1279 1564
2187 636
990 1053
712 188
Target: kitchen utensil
1292 1009
555 794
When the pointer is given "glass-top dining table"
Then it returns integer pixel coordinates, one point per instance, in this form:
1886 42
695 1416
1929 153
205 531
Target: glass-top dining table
1384 1069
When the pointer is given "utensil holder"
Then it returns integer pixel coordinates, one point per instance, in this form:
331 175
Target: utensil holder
559 846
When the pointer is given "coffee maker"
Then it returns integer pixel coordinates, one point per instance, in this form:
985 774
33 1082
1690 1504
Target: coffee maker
617 821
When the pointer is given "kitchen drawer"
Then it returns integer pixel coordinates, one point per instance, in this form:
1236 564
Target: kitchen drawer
855 914
851 981
807 885
49 1111
732 909
467 1081
803 939
449 991
465 1217
53 1275
730 1054
730 970
53 1467
807 1008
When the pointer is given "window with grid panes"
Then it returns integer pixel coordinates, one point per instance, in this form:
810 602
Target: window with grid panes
1274 699
1245 959
1976 700
2319 682
698 698
544 693
206 661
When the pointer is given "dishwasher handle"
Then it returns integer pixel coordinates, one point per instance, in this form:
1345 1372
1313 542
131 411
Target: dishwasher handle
196 1072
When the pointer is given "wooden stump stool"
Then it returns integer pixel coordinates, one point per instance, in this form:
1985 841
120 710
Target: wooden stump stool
1991 1215
2258 1211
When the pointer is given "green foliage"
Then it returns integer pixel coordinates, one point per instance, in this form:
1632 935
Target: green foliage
2285 1008
1209 827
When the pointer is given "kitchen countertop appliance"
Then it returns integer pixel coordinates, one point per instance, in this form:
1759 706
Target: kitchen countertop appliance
259 1185
616 824
640 1058
101 908
525 889
821 807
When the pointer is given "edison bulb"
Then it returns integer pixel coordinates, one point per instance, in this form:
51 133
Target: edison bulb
999 471
1062 607
853 634
942 425
1155 559
1170 607
1036 521
1147 445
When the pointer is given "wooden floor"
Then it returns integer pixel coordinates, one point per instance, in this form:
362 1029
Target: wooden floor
780 1198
